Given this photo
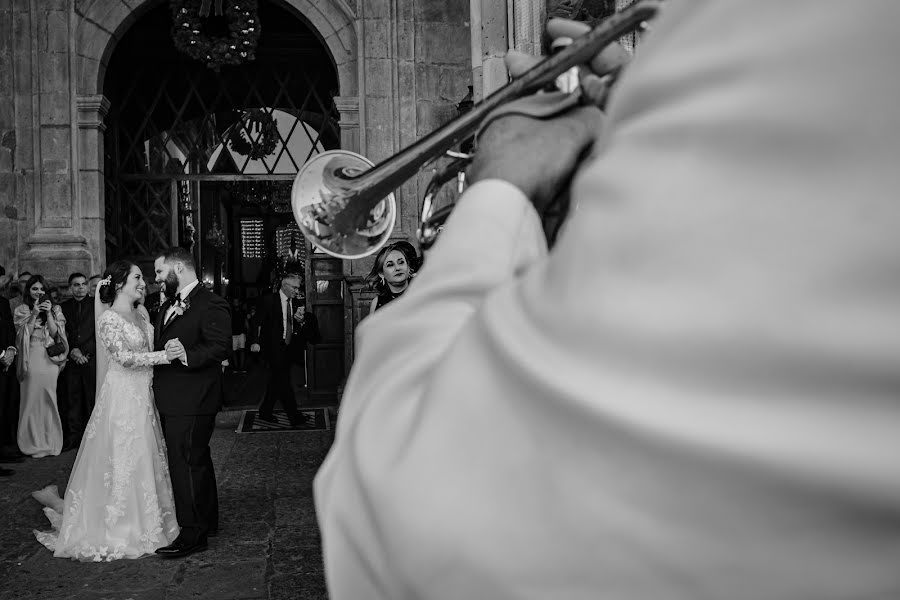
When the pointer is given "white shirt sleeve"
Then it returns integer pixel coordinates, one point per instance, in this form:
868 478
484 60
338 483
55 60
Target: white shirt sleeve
695 394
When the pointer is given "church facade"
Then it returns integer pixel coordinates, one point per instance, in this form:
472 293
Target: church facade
118 138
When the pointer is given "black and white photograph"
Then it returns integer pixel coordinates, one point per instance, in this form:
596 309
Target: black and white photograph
449 299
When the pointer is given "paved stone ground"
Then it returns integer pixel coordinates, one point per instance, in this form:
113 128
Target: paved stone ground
268 546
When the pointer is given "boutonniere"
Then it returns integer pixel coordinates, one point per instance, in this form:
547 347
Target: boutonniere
181 306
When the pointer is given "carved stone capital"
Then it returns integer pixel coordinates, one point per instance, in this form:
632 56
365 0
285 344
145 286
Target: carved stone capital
348 107
91 111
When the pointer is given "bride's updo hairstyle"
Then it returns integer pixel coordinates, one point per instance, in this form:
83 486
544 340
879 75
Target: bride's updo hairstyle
114 277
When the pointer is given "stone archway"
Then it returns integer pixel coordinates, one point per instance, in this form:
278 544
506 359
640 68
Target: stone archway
100 25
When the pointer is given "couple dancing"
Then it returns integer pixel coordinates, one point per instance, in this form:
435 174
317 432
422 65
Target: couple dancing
143 480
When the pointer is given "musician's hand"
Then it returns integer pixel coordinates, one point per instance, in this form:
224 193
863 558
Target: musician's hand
593 76
537 156
254 348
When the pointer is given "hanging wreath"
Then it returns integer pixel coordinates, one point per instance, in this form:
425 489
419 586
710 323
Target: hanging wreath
235 48
256 135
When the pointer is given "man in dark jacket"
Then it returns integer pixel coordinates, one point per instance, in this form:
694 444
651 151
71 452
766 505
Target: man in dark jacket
283 329
79 378
9 387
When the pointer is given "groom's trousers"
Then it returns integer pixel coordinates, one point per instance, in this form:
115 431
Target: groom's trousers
193 477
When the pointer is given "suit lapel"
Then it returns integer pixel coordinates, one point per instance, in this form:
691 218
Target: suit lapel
187 301
160 315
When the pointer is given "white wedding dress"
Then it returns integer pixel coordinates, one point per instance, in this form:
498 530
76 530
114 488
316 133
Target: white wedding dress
118 503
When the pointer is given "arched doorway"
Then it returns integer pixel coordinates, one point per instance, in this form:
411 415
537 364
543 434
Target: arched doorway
205 159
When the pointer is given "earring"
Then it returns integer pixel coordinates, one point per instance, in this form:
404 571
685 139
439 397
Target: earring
381 277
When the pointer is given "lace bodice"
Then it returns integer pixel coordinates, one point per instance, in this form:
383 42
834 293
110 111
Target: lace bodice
127 344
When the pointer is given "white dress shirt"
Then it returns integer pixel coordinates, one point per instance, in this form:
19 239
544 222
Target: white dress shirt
183 294
695 395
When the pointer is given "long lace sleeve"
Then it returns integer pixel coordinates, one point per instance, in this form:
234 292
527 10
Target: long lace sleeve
111 332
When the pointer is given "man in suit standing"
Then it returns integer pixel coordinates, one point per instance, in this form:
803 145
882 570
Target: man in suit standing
79 380
9 388
283 329
189 394
16 300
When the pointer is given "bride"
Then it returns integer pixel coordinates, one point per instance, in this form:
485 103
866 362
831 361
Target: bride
118 503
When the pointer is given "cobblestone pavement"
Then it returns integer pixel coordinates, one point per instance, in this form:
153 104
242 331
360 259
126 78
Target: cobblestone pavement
268 546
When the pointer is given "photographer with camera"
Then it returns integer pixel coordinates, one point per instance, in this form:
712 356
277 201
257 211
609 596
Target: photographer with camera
42 349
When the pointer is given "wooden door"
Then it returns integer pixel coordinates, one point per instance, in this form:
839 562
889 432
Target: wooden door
325 299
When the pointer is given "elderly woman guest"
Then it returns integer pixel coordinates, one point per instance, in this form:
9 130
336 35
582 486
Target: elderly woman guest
394 267
42 345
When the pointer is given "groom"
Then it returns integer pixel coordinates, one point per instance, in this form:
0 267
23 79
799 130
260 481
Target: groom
189 394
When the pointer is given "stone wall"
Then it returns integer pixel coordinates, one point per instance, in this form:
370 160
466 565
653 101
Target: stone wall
416 67
42 224
10 208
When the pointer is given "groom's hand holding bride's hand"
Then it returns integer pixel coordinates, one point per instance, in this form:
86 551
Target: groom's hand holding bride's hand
175 350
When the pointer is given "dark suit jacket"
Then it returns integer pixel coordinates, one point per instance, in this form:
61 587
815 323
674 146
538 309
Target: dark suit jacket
270 321
7 326
9 384
80 332
205 331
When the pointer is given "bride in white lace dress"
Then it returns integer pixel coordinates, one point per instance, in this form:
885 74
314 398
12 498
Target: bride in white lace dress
118 503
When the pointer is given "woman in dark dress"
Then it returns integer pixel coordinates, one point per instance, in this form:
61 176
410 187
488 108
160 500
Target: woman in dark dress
394 267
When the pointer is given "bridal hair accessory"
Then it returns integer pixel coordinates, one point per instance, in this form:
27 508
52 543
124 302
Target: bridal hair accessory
105 281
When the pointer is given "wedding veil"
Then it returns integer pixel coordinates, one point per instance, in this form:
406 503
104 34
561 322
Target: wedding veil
102 355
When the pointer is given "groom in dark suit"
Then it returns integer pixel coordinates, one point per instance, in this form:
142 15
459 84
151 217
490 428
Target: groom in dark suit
189 394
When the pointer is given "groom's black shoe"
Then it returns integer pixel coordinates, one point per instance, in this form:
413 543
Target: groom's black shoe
178 549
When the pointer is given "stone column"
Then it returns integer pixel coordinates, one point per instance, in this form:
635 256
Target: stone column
56 246
91 189
490 41
527 19
348 109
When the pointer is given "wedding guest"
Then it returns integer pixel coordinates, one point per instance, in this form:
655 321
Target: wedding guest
55 295
80 374
9 388
92 285
238 335
18 297
283 329
43 347
5 283
391 273
252 333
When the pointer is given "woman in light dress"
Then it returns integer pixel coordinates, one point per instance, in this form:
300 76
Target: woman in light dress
118 503
40 324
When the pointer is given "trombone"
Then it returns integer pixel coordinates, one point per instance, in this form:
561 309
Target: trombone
345 205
